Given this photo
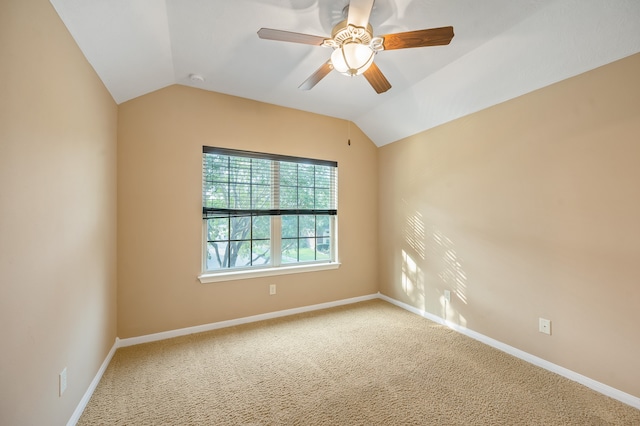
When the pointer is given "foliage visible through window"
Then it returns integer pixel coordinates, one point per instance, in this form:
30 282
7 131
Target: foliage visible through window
263 210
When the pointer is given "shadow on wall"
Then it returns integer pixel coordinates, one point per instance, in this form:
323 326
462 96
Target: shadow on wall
431 266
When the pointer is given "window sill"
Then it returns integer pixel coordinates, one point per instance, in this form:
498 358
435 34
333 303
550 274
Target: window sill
266 272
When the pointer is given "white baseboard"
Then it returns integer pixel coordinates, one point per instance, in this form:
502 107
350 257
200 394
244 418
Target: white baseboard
532 359
92 387
230 323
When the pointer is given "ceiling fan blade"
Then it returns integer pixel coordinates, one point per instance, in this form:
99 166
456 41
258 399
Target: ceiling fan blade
317 76
377 80
359 12
419 38
279 35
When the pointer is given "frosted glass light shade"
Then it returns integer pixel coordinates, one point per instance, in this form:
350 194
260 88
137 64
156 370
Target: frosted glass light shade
352 58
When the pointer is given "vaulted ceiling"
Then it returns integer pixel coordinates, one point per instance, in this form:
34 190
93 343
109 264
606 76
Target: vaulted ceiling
501 49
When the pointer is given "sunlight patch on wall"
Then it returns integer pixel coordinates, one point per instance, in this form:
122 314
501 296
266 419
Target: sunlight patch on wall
414 234
412 280
452 273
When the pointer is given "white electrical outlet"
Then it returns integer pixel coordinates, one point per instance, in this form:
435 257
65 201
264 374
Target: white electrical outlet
544 326
62 381
272 289
447 295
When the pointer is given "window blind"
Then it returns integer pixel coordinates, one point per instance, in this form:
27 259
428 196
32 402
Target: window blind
244 183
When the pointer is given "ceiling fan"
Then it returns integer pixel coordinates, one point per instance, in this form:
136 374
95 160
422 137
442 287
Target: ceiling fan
354 46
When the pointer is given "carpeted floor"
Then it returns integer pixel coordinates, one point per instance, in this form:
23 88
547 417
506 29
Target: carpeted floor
369 363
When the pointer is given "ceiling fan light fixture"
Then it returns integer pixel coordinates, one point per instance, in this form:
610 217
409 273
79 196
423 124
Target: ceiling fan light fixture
352 58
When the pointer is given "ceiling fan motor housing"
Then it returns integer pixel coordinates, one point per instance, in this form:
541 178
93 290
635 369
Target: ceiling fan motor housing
343 31
354 48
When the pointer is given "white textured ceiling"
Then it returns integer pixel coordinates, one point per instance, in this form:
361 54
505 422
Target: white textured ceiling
501 49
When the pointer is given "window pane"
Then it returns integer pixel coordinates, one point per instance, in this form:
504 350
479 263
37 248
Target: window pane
306 197
307 226
261 172
261 227
261 252
261 197
218 229
323 176
289 250
307 249
216 195
216 168
240 227
217 255
288 197
240 170
322 251
322 225
306 175
306 184
240 196
288 174
323 248
289 226
323 198
239 253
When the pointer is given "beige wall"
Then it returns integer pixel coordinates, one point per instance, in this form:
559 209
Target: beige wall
524 210
57 217
160 139
528 209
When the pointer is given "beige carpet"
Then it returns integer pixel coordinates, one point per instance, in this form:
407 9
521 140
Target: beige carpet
369 363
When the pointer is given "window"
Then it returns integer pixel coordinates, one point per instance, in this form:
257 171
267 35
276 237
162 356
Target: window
263 211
